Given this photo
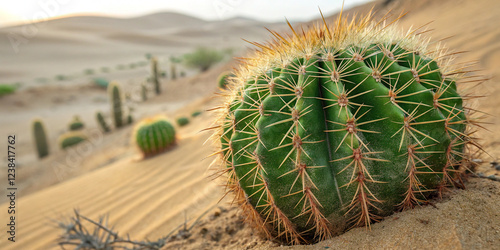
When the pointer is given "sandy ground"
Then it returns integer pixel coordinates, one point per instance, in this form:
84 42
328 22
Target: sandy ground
150 198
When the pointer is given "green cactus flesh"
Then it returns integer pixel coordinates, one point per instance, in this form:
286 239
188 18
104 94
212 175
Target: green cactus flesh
40 139
154 136
102 123
76 124
182 121
337 137
155 75
223 79
71 138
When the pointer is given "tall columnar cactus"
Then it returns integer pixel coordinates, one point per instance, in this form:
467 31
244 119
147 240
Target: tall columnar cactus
144 92
76 124
182 121
154 135
155 75
116 100
173 70
71 138
40 139
102 122
223 79
339 126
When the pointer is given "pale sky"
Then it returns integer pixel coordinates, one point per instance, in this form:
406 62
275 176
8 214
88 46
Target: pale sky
25 11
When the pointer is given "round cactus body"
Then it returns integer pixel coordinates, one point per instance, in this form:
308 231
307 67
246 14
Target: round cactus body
223 79
71 138
339 126
40 138
116 100
154 135
76 124
155 75
182 121
196 113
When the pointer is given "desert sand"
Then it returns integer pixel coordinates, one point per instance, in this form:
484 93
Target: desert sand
150 198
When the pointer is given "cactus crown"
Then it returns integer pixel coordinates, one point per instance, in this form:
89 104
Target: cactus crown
337 126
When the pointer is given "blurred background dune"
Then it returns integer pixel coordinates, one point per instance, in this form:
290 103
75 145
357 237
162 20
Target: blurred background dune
55 71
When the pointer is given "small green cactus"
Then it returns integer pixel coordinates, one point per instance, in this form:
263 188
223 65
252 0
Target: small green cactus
40 139
101 82
71 138
154 135
76 124
182 121
223 79
340 125
155 76
116 100
144 92
173 71
196 113
102 122
130 119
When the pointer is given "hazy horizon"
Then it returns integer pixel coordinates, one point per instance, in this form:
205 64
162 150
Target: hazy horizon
26 12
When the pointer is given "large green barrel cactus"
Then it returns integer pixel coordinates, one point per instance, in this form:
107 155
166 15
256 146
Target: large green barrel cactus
339 126
155 75
40 138
102 122
76 124
116 100
71 138
154 135
223 79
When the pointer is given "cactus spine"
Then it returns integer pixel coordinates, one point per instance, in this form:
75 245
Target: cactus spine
339 126
40 138
116 104
154 135
71 138
76 124
155 75
102 122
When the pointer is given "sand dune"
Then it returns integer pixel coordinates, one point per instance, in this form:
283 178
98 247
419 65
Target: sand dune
123 40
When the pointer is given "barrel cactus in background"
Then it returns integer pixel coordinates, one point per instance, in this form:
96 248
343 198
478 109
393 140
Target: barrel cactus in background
76 124
115 98
71 138
182 121
155 76
102 122
154 135
40 139
340 125
224 79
